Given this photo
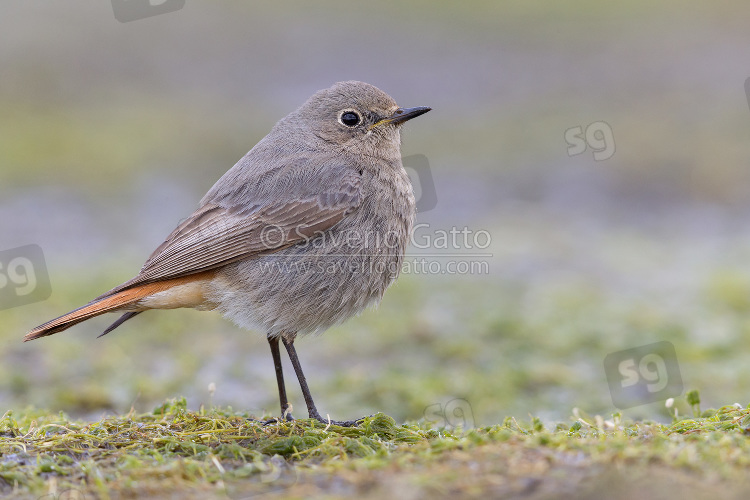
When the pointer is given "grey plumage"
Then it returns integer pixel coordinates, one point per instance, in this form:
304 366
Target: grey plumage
306 230
358 176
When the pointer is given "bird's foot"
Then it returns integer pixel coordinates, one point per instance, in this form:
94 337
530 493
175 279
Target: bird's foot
342 423
286 417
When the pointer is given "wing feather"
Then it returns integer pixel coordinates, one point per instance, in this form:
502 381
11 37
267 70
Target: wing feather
216 235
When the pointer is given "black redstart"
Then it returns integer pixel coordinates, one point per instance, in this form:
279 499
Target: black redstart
306 230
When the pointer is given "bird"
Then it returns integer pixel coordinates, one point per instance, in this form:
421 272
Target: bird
306 230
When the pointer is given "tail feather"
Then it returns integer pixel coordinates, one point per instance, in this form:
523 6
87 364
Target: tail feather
112 301
122 319
118 299
94 308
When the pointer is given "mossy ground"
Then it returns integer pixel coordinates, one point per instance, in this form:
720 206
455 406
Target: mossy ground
218 453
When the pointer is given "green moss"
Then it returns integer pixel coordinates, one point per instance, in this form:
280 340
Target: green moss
178 450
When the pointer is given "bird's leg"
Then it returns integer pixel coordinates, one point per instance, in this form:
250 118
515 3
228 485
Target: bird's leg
286 413
288 341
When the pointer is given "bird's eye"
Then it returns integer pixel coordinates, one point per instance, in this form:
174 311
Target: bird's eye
350 118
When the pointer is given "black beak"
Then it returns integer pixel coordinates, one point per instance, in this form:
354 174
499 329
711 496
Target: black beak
403 114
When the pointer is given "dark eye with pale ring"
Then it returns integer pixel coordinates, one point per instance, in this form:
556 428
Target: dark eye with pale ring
350 118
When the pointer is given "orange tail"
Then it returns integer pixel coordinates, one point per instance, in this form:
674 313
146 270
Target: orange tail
111 301
90 310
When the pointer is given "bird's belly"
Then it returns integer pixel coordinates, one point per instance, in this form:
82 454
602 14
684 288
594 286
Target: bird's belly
304 289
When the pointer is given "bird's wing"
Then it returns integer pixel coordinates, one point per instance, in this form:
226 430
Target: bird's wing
215 235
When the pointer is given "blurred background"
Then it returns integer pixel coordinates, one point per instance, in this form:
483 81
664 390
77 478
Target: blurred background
602 146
